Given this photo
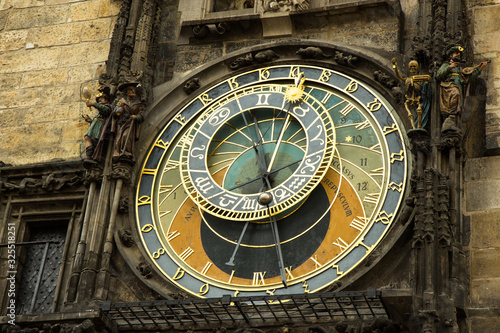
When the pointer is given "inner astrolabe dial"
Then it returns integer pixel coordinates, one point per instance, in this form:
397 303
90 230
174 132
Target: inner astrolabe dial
258 141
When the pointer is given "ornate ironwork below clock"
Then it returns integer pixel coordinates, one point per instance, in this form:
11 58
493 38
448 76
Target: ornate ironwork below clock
278 180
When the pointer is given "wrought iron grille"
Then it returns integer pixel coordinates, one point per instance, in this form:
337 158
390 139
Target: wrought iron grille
40 270
251 311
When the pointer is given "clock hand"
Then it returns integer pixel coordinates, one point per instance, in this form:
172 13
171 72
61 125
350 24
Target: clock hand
231 260
260 156
299 81
276 236
250 133
278 142
260 177
263 169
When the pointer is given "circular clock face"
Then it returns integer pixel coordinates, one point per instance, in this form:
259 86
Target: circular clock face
257 141
279 180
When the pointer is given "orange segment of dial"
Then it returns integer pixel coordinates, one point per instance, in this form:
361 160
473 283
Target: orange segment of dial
342 232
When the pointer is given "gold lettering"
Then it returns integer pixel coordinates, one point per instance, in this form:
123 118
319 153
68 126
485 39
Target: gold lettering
396 187
162 144
359 223
390 129
294 71
180 119
144 200
204 289
205 99
326 98
371 198
147 228
172 235
206 268
258 278
263 99
264 74
383 217
148 171
347 109
233 84
165 188
341 244
363 125
186 253
352 87
164 213
231 277
316 262
339 272
158 253
400 157
179 274
325 76
374 106
306 287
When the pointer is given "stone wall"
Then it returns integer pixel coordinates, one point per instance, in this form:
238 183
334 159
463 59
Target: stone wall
482 208
485 37
482 178
49 50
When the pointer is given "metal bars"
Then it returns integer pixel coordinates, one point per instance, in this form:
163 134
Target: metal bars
252 311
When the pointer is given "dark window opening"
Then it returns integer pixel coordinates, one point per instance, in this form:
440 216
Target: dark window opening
43 251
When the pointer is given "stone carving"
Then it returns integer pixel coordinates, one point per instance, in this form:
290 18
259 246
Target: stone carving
384 79
345 60
202 31
259 58
123 205
51 182
233 5
122 169
241 62
312 52
93 174
284 5
126 125
453 80
388 81
265 56
418 94
145 270
380 325
126 237
191 85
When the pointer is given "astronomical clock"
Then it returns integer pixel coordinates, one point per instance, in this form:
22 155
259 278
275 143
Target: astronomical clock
274 180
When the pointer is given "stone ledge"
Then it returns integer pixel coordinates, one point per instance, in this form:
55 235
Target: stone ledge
484 312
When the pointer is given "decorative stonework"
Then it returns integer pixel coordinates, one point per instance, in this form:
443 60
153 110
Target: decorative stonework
50 183
249 59
284 5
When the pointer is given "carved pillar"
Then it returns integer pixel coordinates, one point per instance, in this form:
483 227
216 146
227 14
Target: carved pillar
133 46
93 176
95 237
122 174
